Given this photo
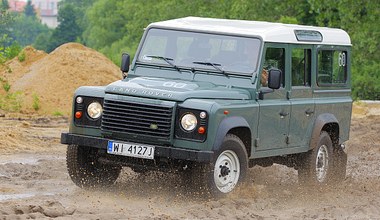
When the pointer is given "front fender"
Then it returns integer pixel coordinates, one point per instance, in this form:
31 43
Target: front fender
226 125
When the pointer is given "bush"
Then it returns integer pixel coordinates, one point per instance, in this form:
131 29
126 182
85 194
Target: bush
36 102
11 102
21 56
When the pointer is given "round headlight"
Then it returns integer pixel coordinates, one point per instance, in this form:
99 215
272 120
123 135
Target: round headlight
94 110
189 122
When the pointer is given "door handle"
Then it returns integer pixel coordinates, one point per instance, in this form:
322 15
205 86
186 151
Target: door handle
309 112
283 114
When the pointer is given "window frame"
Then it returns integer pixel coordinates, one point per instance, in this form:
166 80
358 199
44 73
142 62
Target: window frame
346 67
307 74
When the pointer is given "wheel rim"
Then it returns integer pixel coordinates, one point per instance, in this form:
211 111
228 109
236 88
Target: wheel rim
226 171
322 163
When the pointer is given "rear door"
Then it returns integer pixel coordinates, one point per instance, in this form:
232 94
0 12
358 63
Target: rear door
301 97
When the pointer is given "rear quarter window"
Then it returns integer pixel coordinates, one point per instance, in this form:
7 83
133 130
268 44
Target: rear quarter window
332 68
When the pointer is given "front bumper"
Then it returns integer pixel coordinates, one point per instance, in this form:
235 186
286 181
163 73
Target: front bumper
160 151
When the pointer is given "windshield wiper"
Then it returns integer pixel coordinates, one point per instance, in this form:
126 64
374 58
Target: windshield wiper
215 65
168 60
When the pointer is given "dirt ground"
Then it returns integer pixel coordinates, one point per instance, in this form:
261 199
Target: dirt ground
34 183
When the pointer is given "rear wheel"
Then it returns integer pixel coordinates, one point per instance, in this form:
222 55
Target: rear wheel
323 164
86 171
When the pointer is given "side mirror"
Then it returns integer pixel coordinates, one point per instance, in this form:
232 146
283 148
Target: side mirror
274 78
125 62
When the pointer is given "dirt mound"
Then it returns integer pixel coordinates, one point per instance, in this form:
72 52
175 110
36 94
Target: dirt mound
363 109
50 81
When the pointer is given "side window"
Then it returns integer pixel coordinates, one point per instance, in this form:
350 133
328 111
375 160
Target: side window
274 58
301 67
332 67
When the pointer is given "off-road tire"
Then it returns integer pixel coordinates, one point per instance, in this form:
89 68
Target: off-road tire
230 163
85 170
316 166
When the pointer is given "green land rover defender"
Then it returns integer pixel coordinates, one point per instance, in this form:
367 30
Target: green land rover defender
209 98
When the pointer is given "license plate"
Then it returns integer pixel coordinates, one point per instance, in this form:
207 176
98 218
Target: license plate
131 150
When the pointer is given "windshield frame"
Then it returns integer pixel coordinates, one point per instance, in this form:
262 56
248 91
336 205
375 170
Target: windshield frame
200 68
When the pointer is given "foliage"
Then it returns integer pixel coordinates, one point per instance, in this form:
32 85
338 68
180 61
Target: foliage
42 40
8 52
36 102
360 19
21 56
29 10
67 30
57 113
6 85
26 29
11 101
4 4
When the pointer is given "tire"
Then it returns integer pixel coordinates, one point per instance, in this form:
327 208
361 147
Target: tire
317 165
85 170
226 172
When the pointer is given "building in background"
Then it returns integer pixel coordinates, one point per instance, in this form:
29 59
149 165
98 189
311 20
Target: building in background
16 5
48 11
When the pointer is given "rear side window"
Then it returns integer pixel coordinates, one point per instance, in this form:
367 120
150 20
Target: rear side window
332 68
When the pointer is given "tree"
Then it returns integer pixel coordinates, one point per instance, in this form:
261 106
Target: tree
67 30
25 29
4 4
80 8
29 10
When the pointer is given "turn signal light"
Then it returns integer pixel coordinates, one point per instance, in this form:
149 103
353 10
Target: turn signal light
201 130
78 115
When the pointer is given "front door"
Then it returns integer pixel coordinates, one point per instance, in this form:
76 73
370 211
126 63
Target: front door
275 109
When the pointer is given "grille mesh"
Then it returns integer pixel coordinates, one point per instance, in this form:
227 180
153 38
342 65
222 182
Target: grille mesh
137 118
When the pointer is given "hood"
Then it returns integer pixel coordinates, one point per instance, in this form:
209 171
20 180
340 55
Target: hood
176 90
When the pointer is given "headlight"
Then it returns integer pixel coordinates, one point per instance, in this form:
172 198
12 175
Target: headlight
189 122
94 110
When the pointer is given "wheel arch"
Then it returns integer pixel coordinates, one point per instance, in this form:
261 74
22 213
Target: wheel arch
237 126
325 122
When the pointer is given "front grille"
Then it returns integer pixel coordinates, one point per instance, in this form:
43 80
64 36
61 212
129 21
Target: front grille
131 118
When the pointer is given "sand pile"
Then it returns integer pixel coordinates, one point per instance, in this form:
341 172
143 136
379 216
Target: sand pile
53 78
363 109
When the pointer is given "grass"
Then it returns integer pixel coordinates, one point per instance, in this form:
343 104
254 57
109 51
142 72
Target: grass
57 113
21 56
36 102
12 102
5 84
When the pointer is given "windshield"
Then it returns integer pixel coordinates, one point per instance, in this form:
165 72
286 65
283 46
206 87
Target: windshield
201 51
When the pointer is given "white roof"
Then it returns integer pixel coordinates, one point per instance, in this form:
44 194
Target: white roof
268 31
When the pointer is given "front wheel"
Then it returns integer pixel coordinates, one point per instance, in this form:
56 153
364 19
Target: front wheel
227 170
86 171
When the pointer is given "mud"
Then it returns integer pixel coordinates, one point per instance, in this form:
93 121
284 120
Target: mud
34 183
